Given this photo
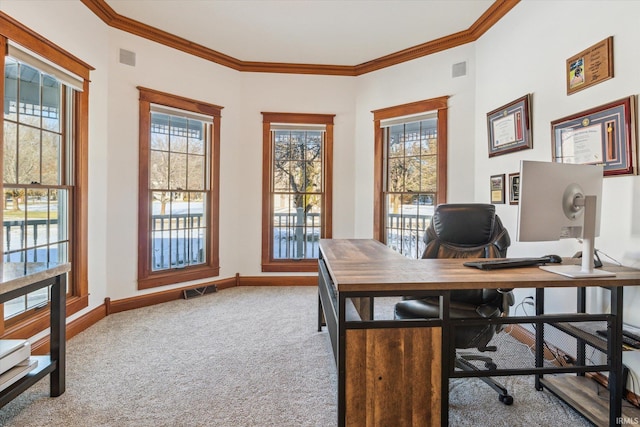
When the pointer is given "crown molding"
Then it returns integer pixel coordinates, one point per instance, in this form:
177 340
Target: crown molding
497 10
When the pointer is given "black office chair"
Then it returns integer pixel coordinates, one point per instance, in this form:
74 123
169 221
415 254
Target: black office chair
466 231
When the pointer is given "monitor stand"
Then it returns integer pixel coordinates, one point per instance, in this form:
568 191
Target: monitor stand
588 237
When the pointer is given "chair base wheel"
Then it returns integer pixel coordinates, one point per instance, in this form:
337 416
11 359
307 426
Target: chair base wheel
506 399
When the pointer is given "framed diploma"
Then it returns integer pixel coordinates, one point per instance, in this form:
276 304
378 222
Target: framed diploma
603 135
509 127
591 66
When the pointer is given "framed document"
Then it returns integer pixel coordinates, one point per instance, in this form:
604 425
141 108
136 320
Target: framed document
603 135
591 66
514 188
509 127
497 189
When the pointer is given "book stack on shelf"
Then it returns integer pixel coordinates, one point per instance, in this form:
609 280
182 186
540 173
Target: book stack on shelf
15 361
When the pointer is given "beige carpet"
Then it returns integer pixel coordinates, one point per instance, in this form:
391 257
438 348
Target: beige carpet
248 356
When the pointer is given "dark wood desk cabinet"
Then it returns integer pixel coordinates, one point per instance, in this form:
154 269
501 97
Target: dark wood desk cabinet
396 372
19 279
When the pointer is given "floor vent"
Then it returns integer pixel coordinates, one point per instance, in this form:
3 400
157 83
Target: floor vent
198 292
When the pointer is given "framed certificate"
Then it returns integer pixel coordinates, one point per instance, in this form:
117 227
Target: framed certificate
509 127
497 189
602 135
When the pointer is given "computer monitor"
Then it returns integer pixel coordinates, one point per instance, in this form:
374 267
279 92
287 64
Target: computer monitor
559 201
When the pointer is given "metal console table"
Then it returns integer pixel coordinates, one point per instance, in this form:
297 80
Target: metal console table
20 279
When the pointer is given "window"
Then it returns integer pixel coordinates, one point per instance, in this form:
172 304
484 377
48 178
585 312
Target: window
44 171
411 171
297 152
178 212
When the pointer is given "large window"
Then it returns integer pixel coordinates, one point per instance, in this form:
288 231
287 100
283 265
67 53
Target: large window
178 216
410 172
44 169
297 150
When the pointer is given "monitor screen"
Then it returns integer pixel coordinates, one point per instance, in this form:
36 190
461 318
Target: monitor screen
547 190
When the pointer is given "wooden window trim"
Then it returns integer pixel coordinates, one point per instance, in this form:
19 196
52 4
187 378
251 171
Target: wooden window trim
147 278
13 30
307 265
434 104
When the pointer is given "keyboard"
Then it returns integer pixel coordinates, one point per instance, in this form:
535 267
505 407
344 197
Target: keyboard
491 264
628 338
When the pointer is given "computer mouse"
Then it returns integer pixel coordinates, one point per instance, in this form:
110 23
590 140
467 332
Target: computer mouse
554 259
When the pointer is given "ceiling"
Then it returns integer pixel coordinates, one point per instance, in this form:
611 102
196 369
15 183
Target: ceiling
336 32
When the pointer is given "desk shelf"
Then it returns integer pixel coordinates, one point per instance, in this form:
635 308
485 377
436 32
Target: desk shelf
44 368
593 340
587 397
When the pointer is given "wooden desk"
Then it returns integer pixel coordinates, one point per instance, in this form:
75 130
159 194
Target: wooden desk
394 372
19 279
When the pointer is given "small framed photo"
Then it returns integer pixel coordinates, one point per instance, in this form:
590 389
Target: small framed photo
497 189
514 188
509 127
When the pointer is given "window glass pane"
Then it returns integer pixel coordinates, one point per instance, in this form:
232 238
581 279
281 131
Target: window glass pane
10 154
412 139
179 229
29 95
178 171
196 173
50 103
38 298
313 176
296 231
159 132
177 143
28 155
10 89
36 225
159 170
428 174
412 174
196 143
51 158
281 177
314 145
429 136
15 306
396 141
395 177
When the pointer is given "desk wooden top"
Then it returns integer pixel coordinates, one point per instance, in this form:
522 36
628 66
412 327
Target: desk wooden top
368 265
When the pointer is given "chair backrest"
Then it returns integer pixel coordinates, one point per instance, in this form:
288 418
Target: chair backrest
468 231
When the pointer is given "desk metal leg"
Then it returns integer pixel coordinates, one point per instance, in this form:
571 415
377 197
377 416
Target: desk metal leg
539 347
447 350
616 388
58 335
341 360
321 321
581 307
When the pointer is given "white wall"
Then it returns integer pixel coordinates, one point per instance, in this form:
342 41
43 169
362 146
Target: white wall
526 52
